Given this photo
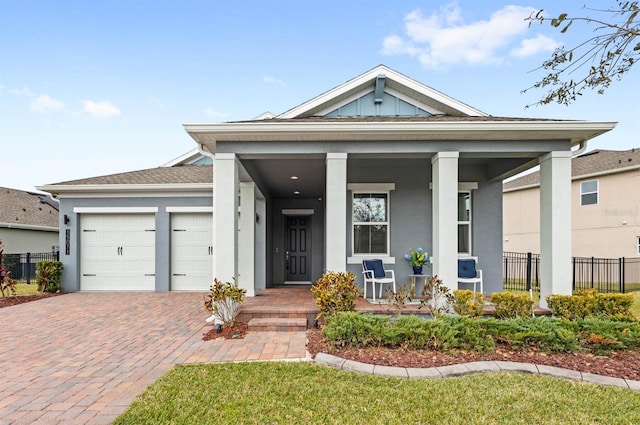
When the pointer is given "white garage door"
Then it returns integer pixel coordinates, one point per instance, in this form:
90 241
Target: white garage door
117 252
191 251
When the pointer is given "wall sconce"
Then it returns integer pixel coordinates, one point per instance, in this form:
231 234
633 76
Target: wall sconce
66 219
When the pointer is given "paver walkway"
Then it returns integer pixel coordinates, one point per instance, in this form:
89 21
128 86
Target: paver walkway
84 357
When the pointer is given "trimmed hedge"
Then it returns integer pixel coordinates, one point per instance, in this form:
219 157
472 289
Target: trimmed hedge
448 333
510 305
591 303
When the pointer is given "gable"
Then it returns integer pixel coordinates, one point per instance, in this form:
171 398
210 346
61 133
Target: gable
382 83
386 105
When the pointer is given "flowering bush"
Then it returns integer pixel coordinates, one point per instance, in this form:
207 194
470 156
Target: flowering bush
417 258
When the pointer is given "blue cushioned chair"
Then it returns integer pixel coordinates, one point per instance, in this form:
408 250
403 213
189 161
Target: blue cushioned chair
468 272
374 272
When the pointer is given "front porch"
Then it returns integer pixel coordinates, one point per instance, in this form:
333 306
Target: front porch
287 307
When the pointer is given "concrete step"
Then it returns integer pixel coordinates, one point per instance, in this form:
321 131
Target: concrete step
277 324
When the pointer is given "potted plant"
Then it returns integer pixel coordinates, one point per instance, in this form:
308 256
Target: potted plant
417 259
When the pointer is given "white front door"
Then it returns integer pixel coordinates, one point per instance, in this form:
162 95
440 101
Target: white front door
117 252
191 251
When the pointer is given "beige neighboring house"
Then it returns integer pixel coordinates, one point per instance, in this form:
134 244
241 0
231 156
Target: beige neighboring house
605 206
28 221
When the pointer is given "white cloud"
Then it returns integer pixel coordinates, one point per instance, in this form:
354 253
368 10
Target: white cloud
215 114
22 92
46 103
103 109
444 38
533 46
271 80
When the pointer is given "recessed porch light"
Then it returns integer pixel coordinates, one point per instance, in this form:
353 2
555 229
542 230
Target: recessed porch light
296 193
294 177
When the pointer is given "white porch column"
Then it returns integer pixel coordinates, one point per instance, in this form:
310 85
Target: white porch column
225 212
445 217
555 225
247 238
336 213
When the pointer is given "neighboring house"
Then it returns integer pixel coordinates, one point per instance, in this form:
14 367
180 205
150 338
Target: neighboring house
368 169
28 222
605 206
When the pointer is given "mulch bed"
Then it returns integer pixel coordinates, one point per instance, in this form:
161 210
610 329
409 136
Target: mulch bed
236 331
20 299
618 364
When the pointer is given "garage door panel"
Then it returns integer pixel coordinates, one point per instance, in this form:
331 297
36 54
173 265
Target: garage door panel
191 252
117 252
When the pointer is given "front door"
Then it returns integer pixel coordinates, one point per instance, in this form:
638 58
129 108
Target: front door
298 249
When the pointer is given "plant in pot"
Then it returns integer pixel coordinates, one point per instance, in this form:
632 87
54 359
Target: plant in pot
417 259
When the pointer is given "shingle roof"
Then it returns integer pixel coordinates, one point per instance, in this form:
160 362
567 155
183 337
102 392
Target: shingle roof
596 161
184 174
27 208
421 118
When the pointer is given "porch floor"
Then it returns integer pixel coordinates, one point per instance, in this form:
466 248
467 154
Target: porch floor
296 301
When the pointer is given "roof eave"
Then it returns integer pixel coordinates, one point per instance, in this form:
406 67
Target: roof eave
576 131
21 226
57 189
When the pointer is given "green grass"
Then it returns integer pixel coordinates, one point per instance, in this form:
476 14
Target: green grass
302 393
24 289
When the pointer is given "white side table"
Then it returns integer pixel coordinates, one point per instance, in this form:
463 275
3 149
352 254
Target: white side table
425 282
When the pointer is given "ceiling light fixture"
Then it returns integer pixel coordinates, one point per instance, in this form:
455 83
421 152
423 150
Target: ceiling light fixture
294 177
296 193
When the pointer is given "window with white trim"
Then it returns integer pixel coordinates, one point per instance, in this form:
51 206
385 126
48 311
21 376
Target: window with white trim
370 218
464 222
589 192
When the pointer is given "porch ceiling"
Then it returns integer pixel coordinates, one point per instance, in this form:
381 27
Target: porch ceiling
273 176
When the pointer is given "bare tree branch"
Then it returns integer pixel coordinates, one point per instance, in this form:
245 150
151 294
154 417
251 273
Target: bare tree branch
597 61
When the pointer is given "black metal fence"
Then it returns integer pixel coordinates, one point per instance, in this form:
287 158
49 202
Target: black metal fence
521 272
23 266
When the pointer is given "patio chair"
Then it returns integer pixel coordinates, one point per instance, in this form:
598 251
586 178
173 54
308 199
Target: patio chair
468 272
374 273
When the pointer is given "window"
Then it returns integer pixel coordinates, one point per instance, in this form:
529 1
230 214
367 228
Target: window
589 192
370 223
464 223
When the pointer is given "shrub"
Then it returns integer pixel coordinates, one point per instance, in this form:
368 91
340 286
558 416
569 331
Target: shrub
601 335
468 303
589 303
542 333
224 301
335 292
509 305
443 333
437 297
7 285
49 276
355 329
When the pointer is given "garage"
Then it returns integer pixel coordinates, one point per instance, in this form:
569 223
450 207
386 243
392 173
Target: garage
191 251
117 252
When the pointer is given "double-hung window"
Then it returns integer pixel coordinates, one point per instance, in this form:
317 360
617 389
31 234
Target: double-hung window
464 222
589 192
370 223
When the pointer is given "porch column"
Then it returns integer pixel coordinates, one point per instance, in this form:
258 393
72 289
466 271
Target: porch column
445 217
225 213
555 225
247 238
336 213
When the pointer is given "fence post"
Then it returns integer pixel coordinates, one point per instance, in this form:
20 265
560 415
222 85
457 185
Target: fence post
28 268
592 272
528 277
621 269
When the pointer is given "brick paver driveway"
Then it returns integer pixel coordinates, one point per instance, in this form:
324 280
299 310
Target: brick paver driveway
84 357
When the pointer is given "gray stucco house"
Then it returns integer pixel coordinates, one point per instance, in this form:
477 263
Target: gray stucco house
368 169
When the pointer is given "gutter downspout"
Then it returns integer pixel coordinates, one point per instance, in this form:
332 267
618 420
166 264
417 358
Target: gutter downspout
582 147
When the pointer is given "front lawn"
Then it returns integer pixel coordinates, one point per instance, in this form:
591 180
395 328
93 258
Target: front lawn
24 289
302 393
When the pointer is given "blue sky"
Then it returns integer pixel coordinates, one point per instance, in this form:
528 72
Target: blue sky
89 88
